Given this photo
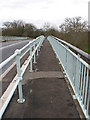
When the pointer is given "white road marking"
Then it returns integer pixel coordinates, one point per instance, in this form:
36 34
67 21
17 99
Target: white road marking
12 45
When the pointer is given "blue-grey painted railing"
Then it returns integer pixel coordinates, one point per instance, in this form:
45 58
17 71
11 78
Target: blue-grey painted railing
34 46
77 72
77 50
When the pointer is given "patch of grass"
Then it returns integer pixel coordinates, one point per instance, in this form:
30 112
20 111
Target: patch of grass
86 48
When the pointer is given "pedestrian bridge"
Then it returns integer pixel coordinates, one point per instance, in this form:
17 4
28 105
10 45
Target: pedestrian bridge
53 82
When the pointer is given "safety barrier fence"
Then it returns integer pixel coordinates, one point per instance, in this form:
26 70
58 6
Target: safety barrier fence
34 46
9 38
76 70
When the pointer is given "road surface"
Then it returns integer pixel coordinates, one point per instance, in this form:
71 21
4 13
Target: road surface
7 49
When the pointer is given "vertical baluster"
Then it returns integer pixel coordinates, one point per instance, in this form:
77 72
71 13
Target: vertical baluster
79 78
75 68
86 90
81 88
73 72
37 48
66 59
83 84
30 57
34 54
88 100
39 44
78 75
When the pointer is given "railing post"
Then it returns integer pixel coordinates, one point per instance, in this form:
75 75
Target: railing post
39 43
77 78
37 48
66 58
88 102
19 77
31 57
73 72
34 54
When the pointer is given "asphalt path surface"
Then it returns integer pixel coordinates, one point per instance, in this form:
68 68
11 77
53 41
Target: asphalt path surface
46 96
7 49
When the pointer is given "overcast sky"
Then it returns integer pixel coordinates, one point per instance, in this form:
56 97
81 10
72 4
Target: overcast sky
40 11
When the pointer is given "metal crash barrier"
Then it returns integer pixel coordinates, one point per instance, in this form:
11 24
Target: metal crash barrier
34 47
76 70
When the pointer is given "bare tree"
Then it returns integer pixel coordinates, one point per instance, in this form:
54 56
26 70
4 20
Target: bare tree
46 26
73 24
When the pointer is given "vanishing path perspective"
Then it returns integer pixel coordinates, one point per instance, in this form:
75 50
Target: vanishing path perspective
45 90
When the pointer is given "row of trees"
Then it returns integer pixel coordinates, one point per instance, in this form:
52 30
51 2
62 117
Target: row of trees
73 30
73 25
20 28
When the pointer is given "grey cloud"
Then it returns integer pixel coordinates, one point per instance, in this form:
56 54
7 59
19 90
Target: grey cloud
22 3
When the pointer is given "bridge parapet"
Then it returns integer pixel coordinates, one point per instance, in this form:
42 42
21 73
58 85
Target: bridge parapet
76 70
77 50
34 47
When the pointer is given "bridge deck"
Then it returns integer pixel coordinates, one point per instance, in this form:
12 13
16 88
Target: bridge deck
45 90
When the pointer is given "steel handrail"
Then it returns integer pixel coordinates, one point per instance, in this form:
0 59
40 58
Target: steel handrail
15 54
76 70
81 52
17 81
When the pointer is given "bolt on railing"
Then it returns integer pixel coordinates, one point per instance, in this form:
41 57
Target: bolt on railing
17 81
76 70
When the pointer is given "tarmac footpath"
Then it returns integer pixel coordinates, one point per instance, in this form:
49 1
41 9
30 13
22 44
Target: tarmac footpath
45 91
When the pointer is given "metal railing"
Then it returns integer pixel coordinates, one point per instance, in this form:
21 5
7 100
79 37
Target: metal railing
34 46
76 70
77 50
